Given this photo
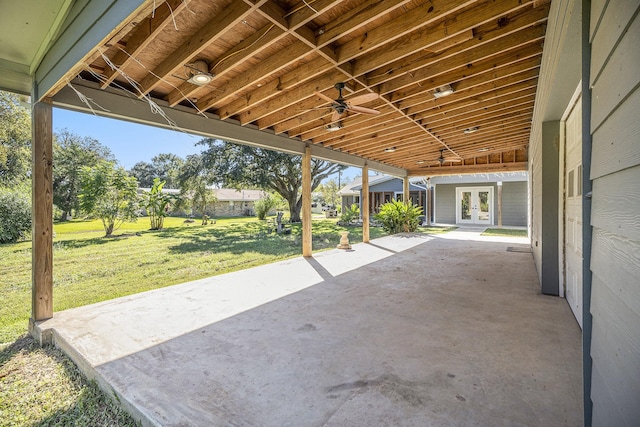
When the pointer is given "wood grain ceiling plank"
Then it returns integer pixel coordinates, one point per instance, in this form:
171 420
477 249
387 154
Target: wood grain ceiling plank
418 17
522 109
290 98
489 123
142 36
379 133
492 106
388 60
355 19
471 100
518 19
270 65
214 29
247 48
513 73
306 13
301 74
376 139
309 130
517 47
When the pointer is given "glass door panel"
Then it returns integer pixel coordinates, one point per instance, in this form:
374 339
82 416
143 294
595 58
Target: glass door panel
483 206
465 206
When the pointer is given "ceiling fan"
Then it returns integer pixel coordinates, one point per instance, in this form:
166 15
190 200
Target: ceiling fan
341 105
442 159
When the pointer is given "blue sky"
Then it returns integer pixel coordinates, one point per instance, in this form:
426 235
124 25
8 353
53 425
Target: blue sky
131 143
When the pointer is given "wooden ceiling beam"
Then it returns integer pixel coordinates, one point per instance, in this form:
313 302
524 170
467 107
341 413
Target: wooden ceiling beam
464 103
452 114
486 124
249 47
418 17
397 56
506 50
355 19
470 169
478 84
213 30
142 36
374 141
270 65
479 20
303 73
360 122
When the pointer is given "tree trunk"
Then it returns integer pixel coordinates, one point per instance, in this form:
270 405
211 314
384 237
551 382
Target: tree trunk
294 211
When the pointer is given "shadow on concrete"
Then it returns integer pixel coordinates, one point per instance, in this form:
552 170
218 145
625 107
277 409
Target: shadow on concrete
403 332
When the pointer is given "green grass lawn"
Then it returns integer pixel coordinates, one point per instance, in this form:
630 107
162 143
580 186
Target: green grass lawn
506 232
40 386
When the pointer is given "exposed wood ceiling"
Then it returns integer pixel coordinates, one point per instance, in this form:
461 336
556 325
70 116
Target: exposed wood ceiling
268 57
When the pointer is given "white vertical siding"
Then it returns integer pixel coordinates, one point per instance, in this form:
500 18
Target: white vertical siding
615 171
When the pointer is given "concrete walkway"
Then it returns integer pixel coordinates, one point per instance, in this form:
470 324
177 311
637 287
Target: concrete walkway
404 331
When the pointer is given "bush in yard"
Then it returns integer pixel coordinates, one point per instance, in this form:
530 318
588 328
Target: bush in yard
350 213
264 205
15 215
399 217
157 204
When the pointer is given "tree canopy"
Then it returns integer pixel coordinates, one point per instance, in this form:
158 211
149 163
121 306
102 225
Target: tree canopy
165 166
240 165
71 153
109 193
15 140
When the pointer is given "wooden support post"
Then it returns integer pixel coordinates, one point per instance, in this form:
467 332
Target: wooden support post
42 212
307 239
365 203
429 207
499 204
405 190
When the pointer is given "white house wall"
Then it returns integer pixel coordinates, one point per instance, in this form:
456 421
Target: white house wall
615 217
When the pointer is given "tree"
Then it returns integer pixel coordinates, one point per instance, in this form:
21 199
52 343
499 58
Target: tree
241 165
144 173
329 190
195 180
157 203
15 213
110 194
15 140
71 153
165 166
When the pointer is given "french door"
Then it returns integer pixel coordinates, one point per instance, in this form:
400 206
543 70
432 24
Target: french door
474 205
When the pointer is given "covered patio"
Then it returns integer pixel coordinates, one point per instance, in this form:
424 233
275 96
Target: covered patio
408 330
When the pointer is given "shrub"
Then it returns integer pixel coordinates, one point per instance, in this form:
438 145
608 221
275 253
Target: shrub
350 213
15 215
263 206
398 217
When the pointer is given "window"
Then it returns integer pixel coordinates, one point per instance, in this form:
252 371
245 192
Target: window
579 177
570 184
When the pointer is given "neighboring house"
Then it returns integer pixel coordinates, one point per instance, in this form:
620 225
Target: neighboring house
489 199
229 201
348 195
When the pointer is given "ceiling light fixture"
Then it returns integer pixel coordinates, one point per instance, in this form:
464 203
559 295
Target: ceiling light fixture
419 162
199 71
470 130
390 150
332 127
441 91
483 149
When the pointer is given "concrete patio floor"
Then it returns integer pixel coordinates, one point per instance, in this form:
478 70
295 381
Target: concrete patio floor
404 331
